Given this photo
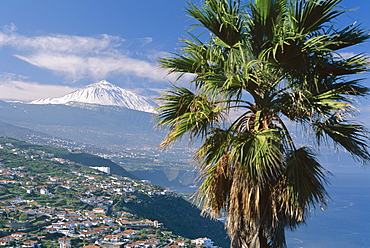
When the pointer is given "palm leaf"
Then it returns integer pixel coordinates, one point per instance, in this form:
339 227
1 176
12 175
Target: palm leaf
351 88
221 18
306 179
349 36
193 61
185 112
352 137
267 18
258 154
310 15
176 103
214 191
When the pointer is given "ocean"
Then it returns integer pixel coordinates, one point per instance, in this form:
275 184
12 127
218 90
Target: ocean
346 221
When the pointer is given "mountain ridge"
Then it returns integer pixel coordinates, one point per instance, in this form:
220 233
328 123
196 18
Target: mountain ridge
102 93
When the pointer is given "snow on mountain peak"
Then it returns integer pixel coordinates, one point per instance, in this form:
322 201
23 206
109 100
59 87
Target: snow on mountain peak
103 93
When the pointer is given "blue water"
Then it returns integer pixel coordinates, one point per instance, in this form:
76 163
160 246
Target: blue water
346 221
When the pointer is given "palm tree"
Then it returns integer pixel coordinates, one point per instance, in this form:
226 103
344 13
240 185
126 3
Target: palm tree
265 66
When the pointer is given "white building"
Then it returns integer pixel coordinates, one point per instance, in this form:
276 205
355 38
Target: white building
203 242
102 168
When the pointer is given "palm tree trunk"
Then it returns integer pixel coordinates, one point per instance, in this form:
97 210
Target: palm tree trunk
235 241
263 240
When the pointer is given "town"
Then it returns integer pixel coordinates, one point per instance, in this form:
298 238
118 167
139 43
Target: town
83 207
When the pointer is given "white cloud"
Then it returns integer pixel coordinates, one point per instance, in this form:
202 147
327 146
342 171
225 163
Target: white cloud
347 55
77 57
16 89
76 67
59 43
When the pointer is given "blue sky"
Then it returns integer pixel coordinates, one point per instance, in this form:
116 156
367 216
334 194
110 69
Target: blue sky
49 48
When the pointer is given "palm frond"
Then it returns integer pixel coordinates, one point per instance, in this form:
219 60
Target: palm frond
221 18
259 154
310 16
306 180
185 112
193 60
349 36
323 100
213 148
176 103
351 88
351 137
214 191
266 20
328 102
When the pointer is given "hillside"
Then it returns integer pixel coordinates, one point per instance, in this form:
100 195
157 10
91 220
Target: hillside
77 157
72 185
168 209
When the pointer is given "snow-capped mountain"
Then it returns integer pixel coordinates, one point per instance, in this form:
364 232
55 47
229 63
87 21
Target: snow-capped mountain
103 93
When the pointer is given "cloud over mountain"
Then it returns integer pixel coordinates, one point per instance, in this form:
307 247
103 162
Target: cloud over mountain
13 87
80 57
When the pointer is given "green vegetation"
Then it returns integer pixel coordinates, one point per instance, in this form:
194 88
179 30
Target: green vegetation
3 191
